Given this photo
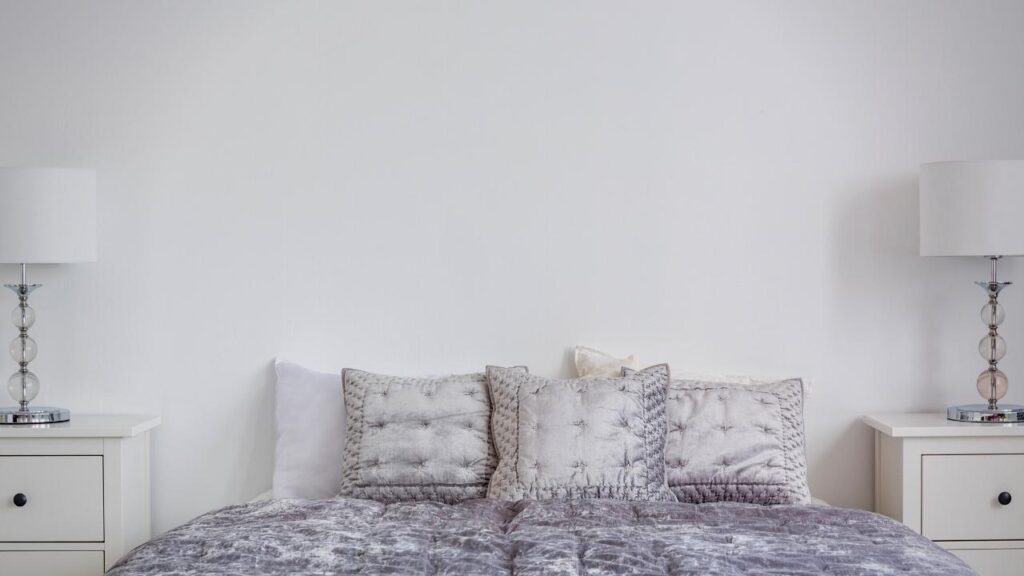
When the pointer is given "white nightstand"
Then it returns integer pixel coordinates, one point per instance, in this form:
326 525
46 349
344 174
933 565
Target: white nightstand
959 484
74 497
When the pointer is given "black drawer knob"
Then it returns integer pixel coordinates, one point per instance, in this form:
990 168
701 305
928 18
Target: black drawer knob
20 499
1005 498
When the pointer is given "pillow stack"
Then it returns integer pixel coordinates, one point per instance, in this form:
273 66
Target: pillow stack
511 435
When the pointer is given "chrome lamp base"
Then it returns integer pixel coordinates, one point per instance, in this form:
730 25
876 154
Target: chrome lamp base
1004 414
33 415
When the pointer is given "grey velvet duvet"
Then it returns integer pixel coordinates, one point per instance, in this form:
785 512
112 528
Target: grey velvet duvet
347 536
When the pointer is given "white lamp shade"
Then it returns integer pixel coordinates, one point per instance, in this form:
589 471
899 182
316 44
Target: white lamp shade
972 208
47 215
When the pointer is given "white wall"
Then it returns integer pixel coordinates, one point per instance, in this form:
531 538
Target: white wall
423 187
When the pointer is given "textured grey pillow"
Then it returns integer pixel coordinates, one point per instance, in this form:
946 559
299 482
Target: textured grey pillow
585 438
417 438
736 442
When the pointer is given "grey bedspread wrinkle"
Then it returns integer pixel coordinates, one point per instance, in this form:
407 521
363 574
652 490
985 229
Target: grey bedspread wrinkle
559 537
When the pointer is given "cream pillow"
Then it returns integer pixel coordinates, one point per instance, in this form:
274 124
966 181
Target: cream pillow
591 363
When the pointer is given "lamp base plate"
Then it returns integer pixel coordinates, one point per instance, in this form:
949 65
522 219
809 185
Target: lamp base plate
1004 414
33 415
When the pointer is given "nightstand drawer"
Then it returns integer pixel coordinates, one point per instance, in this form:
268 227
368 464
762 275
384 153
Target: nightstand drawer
61 498
993 562
59 563
960 496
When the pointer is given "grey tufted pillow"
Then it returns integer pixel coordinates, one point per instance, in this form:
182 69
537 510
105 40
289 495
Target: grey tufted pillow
585 438
736 442
417 438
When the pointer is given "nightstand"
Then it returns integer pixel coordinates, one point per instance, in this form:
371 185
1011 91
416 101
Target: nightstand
74 497
959 484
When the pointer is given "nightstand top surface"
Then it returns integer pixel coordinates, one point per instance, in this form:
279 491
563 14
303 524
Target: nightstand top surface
84 426
935 425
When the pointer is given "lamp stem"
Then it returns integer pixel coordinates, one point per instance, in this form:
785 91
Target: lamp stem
23 334
993 281
25 384
993 287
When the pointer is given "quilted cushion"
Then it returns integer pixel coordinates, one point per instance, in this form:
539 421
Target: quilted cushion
736 442
577 439
417 438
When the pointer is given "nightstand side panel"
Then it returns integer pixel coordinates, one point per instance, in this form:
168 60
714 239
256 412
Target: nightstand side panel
127 494
889 476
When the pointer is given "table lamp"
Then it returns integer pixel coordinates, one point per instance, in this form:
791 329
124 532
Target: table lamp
977 209
47 215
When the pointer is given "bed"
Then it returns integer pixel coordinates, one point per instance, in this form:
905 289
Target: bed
506 472
565 537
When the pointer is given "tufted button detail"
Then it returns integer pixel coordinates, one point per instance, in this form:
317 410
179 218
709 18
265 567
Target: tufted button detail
425 424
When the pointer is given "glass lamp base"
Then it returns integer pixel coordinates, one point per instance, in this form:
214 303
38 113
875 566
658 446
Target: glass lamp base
33 415
1004 414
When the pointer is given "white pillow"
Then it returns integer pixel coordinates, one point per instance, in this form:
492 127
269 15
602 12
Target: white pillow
592 363
310 447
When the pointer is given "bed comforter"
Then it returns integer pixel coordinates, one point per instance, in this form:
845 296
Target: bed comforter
346 536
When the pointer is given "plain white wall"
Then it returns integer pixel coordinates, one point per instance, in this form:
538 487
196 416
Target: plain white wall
426 187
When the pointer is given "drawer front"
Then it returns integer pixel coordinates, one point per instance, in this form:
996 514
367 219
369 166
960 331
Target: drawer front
59 563
960 496
993 562
63 498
